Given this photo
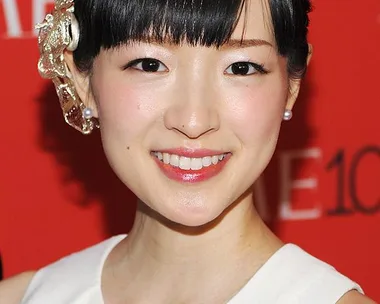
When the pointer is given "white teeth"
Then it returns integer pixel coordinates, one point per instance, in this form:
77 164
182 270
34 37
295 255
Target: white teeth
206 161
159 155
174 160
187 163
166 158
196 164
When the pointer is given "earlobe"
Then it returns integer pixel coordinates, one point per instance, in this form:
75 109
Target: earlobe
294 89
81 82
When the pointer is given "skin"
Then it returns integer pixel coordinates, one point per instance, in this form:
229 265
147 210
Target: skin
186 232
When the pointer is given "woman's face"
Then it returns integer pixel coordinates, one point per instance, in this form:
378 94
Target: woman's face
190 129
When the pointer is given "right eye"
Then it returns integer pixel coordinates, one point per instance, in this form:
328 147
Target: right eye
147 65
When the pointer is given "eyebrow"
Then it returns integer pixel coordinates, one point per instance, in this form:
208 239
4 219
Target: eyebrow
238 43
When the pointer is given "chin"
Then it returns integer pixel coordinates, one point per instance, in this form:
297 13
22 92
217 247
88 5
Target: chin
193 215
192 220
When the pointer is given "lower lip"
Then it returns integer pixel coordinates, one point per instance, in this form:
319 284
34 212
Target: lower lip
192 176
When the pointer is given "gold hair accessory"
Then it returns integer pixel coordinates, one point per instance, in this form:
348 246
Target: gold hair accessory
60 32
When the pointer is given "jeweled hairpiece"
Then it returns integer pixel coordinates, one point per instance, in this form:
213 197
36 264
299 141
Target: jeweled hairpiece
60 32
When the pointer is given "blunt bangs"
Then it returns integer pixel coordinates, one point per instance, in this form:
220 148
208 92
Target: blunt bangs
111 23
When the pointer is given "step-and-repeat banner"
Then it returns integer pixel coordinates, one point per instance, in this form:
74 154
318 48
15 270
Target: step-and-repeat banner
321 191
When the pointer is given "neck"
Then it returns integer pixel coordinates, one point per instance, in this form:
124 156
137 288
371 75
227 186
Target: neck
203 258
238 232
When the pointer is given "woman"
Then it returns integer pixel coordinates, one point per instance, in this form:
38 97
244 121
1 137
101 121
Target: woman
189 97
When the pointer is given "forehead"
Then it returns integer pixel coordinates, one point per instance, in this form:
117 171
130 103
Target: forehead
255 22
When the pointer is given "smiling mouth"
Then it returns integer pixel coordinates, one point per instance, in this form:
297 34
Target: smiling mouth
189 163
187 169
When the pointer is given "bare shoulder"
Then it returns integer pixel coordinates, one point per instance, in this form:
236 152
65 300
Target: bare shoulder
13 289
354 297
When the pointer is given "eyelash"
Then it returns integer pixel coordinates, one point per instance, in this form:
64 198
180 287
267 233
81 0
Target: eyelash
259 68
135 62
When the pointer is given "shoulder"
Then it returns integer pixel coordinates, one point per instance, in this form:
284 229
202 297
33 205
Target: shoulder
354 297
311 280
75 276
13 289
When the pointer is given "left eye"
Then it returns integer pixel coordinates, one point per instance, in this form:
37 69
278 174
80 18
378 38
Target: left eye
244 69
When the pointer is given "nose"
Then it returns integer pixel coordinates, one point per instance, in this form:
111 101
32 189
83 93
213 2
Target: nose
193 112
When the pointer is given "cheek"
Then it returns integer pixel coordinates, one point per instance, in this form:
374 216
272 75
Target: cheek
255 112
124 110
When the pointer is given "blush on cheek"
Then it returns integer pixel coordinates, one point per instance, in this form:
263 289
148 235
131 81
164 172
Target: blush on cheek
118 111
125 110
255 115
123 105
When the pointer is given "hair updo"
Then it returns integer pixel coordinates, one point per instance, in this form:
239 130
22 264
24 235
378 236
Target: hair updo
108 24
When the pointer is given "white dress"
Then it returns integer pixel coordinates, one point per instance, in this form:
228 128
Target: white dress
290 276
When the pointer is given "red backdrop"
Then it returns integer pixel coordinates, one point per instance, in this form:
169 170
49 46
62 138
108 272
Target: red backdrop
57 194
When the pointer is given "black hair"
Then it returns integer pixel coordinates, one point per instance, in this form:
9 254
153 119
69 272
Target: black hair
110 23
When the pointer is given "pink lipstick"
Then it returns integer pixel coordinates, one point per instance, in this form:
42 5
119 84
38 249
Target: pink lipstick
191 166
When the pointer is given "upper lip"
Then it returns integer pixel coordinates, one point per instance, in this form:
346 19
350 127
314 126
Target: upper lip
192 153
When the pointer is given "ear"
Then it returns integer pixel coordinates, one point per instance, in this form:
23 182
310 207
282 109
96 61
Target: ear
295 84
81 82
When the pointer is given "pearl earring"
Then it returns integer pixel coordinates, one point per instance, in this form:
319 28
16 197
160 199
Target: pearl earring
87 113
288 114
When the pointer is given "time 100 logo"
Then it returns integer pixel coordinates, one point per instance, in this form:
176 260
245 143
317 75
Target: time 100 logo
346 180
